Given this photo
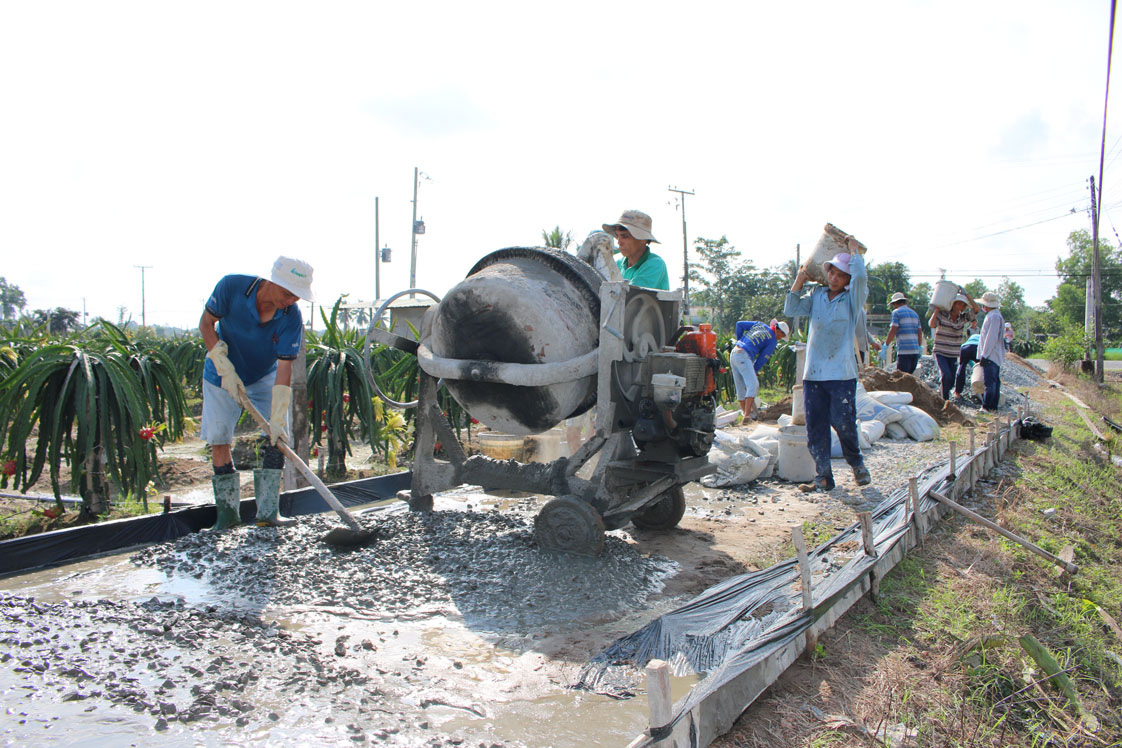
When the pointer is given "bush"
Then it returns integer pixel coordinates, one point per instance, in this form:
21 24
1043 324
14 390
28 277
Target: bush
1067 348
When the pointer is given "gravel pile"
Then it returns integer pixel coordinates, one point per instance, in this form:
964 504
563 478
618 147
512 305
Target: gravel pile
485 565
1013 375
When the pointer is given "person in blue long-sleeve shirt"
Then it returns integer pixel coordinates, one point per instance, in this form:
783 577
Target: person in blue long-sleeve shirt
830 374
755 342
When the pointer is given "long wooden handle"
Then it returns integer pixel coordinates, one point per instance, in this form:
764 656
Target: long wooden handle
306 471
1067 565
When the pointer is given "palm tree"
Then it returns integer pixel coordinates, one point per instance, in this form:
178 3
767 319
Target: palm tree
557 239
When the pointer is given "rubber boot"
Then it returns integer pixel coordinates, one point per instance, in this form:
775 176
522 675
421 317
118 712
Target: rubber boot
266 490
227 499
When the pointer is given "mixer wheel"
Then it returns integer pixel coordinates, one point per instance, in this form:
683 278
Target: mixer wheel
663 514
567 523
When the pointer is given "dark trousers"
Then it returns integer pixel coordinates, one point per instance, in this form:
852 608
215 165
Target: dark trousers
993 384
948 366
967 354
907 362
831 403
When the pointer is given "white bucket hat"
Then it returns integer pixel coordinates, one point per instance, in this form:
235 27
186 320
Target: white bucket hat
295 276
840 261
990 301
960 297
636 222
898 296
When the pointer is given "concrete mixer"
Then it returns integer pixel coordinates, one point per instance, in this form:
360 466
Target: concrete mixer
533 336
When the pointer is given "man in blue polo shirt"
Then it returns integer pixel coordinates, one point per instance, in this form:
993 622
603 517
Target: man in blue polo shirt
908 333
252 330
639 266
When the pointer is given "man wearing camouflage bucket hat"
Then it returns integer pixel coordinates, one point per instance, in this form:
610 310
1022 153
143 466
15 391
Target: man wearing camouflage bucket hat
639 266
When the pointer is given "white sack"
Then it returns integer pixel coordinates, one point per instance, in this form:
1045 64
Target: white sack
873 430
869 409
891 397
736 470
895 431
919 425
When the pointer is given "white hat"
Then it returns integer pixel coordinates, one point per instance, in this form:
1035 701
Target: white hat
840 261
960 297
636 222
898 296
295 276
990 300
785 328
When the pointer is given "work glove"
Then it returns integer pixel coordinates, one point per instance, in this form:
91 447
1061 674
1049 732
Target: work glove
231 382
282 399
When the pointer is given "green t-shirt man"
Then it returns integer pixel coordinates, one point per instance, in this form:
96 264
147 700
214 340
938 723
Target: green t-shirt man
639 266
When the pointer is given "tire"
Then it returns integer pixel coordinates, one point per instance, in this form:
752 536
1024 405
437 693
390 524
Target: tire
569 524
665 514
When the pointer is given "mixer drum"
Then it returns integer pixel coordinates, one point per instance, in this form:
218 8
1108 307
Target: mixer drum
521 305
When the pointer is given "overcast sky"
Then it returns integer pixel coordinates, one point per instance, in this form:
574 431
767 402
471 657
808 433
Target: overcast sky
206 138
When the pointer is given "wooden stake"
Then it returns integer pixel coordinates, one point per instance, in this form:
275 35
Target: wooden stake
953 475
804 566
913 495
658 695
1068 566
866 520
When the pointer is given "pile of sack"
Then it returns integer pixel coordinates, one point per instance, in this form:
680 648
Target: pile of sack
880 414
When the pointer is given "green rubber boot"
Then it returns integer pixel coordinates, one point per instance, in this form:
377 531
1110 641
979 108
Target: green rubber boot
227 499
266 490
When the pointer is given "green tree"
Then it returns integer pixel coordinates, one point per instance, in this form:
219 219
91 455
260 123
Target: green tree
1012 296
886 279
59 321
976 288
920 300
557 238
1074 270
12 300
734 288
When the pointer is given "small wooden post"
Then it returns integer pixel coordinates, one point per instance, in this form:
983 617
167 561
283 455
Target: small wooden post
804 566
866 520
953 474
658 695
913 496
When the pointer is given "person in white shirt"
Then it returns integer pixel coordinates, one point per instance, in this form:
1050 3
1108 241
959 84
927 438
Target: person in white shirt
991 349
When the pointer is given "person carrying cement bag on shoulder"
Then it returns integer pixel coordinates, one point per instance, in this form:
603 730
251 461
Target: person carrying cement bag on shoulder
991 350
755 342
252 329
830 373
947 327
639 265
907 331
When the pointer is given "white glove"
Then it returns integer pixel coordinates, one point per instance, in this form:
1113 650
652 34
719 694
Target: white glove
231 382
282 399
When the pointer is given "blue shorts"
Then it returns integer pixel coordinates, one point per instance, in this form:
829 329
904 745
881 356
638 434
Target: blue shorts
221 412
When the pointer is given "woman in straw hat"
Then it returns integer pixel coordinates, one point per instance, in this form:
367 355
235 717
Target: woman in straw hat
830 373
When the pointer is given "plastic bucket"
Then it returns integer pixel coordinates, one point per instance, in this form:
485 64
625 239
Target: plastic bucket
500 446
831 243
795 462
798 417
943 295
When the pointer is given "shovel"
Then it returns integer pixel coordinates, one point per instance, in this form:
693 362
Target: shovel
351 535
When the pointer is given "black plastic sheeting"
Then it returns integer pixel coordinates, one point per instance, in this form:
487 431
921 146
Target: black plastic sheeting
744 619
21 554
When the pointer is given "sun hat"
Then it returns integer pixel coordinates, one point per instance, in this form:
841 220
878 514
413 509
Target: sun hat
990 300
897 297
295 276
960 297
840 261
636 222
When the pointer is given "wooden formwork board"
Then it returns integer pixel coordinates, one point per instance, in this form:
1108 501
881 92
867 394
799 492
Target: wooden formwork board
716 713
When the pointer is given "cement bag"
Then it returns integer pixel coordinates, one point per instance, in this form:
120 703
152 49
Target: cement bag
869 409
760 450
836 446
873 430
918 424
739 469
978 380
785 420
831 243
764 436
891 397
895 431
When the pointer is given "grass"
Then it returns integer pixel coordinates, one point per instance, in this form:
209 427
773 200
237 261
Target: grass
937 650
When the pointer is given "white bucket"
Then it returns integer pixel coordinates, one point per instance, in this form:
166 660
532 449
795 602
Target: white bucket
831 243
795 462
798 417
944 294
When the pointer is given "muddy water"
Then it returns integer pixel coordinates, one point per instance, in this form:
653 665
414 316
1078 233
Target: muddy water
449 629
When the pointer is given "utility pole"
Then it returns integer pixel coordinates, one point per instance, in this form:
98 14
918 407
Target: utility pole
685 256
413 233
143 321
1097 282
377 258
